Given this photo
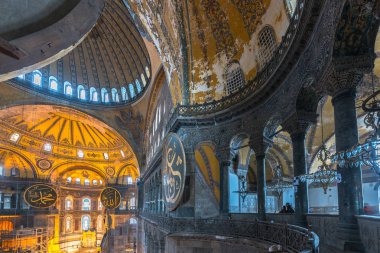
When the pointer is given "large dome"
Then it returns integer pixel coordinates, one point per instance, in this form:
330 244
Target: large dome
110 67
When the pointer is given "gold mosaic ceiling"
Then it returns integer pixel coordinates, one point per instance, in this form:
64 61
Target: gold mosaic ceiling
198 39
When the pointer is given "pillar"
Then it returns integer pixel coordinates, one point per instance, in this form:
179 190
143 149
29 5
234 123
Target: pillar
350 188
224 158
260 145
297 126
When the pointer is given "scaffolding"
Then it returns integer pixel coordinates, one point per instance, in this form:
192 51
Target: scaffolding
26 240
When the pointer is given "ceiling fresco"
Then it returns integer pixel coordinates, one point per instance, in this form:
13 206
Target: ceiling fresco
198 39
53 139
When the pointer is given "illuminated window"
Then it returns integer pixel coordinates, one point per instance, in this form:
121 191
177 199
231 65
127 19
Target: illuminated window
122 153
86 204
68 224
147 72
80 153
143 79
53 83
100 205
100 223
132 221
267 44
7 201
138 86
132 203
68 180
124 94
37 78
15 172
105 97
105 156
95 182
69 203
48 147
235 78
68 89
85 222
132 90
115 95
22 76
129 180
77 180
1 173
86 182
81 92
100 182
14 137
291 5
94 95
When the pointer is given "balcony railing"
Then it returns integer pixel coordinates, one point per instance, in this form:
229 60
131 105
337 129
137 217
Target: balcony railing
292 238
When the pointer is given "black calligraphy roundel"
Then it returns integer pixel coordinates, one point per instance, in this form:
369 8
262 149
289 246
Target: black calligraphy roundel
110 198
40 196
174 171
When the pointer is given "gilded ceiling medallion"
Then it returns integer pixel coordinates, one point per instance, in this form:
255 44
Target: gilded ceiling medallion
174 171
110 171
44 164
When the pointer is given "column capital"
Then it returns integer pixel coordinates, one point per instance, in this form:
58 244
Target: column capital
260 145
341 78
299 122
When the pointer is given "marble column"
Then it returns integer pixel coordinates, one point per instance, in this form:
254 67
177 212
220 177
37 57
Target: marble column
224 158
260 146
261 186
350 189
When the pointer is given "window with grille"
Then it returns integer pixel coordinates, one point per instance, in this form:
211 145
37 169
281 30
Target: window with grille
235 78
267 45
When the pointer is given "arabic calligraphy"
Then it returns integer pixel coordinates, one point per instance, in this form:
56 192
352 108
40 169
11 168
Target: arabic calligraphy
40 196
110 198
174 171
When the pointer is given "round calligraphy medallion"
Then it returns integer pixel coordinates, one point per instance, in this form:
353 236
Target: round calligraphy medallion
40 196
174 171
110 198
44 164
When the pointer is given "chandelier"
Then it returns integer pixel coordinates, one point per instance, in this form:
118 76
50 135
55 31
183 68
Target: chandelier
367 153
326 175
279 183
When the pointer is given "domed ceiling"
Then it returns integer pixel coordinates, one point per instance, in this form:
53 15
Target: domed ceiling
55 138
110 67
198 40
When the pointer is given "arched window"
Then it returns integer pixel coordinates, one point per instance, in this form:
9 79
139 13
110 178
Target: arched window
132 221
80 153
147 72
1 174
81 92
68 224
132 203
124 94
99 223
100 205
68 89
37 78
86 222
94 95
115 95
95 182
291 5
68 180
235 78
87 181
53 83
77 180
143 79
14 137
105 97
86 204
15 172
69 203
267 44
138 86
132 90
48 147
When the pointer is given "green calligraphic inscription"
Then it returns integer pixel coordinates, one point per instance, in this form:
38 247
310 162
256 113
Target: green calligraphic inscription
110 198
174 171
40 196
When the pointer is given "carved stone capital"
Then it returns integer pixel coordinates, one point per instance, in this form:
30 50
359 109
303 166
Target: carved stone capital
260 145
345 73
299 122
